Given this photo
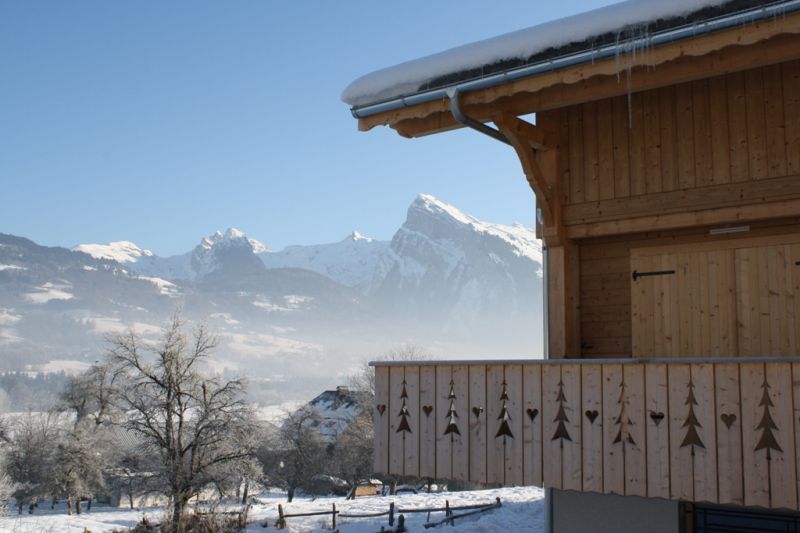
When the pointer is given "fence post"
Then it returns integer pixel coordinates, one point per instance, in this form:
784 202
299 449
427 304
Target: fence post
448 513
281 521
334 516
391 514
401 524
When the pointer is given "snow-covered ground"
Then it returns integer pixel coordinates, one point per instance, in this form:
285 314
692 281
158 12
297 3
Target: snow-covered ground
521 510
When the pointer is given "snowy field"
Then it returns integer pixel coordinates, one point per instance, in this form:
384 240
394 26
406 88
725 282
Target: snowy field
521 510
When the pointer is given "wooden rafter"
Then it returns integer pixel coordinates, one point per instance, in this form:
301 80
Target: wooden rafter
531 143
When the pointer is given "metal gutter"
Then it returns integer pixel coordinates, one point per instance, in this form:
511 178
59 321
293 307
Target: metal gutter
604 52
455 110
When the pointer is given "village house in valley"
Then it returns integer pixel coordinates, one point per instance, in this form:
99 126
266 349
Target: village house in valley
665 160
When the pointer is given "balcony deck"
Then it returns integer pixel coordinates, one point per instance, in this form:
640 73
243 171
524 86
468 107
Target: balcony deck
721 430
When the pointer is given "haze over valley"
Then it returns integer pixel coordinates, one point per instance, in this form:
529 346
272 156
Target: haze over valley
293 321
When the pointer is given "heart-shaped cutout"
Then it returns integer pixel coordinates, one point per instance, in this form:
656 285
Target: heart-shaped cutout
427 409
381 408
657 417
728 418
532 413
477 411
591 415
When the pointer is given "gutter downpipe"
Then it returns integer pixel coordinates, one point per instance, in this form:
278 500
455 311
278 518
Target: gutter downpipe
777 9
480 127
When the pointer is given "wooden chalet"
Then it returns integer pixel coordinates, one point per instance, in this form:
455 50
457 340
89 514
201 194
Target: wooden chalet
665 162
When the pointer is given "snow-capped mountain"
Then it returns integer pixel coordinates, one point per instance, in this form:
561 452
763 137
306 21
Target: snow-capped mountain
351 261
443 262
447 281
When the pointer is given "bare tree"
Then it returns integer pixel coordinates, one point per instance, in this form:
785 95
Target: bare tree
77 467
353 451
29 457
295 454
190 419
90 395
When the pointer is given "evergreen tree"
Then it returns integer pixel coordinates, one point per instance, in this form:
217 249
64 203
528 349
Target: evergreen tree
452 415
561 416
692 438
767 424
504 429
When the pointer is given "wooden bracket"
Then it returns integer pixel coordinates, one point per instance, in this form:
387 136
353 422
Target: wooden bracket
537 159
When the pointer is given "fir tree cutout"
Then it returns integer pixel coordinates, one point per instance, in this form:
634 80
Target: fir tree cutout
561 416
692 438
504 430
403 414
767 424
451 414
622 420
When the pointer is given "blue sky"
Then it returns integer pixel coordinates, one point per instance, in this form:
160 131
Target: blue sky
159 122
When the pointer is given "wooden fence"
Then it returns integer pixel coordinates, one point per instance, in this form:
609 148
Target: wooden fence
713 430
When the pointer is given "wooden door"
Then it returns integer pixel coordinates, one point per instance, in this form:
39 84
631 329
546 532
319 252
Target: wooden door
736 297
768 299
683 303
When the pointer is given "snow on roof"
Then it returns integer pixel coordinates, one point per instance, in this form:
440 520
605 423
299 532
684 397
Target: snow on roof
408 78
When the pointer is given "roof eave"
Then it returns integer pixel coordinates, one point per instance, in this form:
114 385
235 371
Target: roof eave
741 29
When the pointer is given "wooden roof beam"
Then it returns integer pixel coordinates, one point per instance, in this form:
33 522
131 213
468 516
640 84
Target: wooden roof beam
537 159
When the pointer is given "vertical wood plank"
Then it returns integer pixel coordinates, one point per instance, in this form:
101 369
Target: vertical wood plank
532 425
613 456
791 107
576 193
592 434
720 154
622 182
444 441
476 415
782 465
684 118
460 448
669 138
396 435
380 417
658 445
552 444
637 145
756 124
737 127
705 457
775 121
590 154
729 434
703 166
652 140
572 459
427 422
795 372
411 440
681 457
755 464
605 149
495 463
514 458
635 442
562 119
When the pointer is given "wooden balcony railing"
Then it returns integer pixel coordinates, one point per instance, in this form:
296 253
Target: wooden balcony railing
713 430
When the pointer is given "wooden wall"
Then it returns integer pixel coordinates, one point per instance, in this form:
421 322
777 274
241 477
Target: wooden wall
715 432
712 142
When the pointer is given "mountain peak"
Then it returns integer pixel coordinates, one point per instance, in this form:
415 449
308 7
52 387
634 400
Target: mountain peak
355 236
232 236
430 204
120 251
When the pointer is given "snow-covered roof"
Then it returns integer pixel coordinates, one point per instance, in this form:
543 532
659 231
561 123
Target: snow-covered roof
537 43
